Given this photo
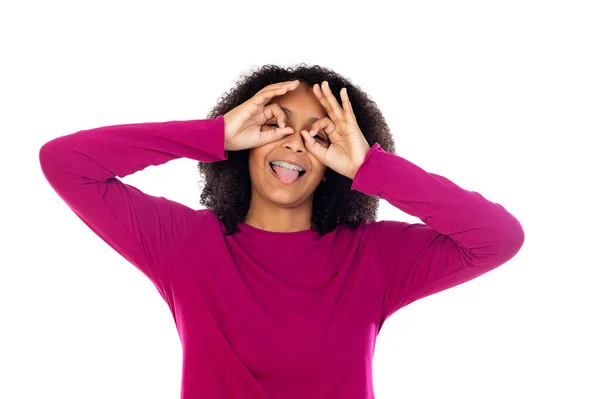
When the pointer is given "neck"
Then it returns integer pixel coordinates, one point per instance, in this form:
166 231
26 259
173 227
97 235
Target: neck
272 217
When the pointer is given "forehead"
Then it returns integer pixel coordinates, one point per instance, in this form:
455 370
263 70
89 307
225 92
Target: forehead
302 102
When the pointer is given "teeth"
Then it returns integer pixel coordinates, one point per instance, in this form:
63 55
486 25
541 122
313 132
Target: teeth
287 165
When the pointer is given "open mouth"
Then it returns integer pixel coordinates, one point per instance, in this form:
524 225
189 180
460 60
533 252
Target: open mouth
285 175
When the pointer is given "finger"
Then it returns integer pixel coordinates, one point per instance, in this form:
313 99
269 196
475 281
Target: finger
313 146
272 134
278 89
279 85
328 101
274 111
347 105
285 83
325 124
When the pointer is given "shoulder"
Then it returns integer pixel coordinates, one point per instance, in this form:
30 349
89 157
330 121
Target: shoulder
371 231
205 230
206 218
383 227
398 233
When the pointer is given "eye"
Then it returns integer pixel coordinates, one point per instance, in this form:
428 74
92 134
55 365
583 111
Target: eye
320 135
317 137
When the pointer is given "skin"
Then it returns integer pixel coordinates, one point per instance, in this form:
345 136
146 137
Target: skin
275 206
334 140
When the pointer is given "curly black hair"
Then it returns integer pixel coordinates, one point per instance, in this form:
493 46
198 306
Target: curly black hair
227 185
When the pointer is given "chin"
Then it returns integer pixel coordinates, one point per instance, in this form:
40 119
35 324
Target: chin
287 199
269 187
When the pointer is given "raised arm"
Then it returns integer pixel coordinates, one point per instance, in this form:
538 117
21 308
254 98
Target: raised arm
463 236
83 168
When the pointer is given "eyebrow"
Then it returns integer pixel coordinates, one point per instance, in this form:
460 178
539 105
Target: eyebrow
287 111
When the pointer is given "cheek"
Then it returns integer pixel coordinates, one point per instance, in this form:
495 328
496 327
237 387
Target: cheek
257 158
254 165
318 172
318 168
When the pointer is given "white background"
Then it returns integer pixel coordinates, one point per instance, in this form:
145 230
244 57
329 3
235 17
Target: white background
503 98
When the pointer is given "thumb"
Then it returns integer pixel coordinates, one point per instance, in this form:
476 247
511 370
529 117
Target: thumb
271 135
314 147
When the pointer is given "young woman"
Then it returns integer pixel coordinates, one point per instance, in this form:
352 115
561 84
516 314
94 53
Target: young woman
280 286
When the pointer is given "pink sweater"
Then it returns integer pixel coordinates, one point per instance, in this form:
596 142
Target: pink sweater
267 315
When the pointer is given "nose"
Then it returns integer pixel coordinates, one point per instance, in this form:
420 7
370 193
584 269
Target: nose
294 142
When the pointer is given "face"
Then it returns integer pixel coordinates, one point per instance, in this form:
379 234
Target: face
266 184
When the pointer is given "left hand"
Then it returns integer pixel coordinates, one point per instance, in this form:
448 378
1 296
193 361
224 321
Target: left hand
348 146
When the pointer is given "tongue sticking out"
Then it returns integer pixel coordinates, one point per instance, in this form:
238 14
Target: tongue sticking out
286 175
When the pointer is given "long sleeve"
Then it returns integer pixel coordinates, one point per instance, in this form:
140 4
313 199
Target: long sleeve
463 236
83 167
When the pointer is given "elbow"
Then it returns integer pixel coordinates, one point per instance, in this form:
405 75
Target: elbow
47 152
511 243
50 156
516 241
506 243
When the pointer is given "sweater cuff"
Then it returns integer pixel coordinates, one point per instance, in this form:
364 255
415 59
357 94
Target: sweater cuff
210 136
370 177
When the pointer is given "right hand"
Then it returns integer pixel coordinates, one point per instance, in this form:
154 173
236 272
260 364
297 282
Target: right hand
243 123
